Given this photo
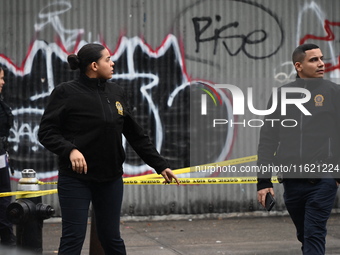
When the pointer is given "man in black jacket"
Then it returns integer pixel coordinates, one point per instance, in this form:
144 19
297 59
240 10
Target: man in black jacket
305 153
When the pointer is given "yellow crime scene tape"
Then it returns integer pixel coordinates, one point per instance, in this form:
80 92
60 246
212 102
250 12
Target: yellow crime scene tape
44 183
28 194
155 179
206 180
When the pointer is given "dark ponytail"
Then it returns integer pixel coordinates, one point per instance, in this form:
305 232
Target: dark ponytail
86 55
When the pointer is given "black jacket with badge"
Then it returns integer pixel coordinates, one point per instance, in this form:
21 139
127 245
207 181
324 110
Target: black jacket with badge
315 138
91 115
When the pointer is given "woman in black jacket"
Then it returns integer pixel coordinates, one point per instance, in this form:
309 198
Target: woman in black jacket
83 124
6 120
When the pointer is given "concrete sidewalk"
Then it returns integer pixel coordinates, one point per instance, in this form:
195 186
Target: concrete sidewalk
255 233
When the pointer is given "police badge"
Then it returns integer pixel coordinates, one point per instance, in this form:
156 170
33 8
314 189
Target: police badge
318 99
119 107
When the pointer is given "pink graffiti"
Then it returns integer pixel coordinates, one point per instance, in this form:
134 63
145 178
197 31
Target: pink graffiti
329 37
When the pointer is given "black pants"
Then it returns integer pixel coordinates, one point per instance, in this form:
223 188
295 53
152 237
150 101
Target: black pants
309 206
6 228
74 197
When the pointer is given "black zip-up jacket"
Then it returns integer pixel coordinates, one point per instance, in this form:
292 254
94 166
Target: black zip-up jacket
6 121
91 115
314 139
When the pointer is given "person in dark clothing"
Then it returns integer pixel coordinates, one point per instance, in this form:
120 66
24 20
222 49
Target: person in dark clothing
83 124
6 120
309 149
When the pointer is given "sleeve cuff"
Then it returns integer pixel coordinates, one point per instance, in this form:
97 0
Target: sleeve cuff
264 183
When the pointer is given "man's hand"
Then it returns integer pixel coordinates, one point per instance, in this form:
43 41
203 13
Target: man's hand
261 195
78 162
168 175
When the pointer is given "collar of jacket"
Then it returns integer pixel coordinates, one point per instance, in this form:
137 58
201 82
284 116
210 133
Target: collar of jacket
92 82
312 82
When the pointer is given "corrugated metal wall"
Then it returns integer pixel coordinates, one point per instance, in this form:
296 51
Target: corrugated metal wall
160 46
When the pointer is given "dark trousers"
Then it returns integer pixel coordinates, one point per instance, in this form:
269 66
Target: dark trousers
309 206
74 198
6 228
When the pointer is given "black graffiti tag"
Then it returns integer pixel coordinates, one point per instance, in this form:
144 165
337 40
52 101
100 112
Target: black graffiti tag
200 30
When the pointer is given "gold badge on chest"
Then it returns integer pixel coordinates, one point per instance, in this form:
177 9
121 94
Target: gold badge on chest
318 99
119 107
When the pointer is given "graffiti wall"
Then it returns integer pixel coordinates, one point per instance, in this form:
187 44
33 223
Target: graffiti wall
160 48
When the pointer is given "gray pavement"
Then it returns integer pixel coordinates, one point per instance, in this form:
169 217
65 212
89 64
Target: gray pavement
253 233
